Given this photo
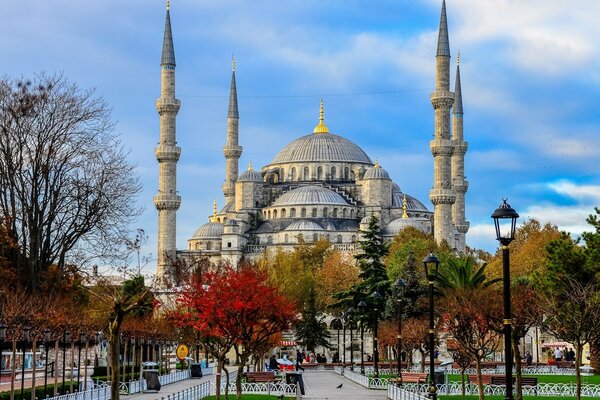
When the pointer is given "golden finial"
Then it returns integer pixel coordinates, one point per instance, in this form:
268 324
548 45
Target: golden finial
233 62
377 163
214 216
250 166
321 128
458 58
404 213
168 4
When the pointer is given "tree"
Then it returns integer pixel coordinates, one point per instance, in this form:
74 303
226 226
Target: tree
67 189
310 332
338 273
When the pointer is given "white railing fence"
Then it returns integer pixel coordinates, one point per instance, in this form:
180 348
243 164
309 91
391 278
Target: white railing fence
194 393
400 393
98 392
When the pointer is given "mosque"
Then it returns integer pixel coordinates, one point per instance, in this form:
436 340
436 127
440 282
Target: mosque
320 185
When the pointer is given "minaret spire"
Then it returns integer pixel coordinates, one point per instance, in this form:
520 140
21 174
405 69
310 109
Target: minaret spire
459 184
321 127
232 150
442 195
167 154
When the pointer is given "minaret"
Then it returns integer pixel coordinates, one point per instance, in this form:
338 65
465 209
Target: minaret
167 153
459 183
441 147
231 149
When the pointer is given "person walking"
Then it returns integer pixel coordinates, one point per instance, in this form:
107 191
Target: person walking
558 355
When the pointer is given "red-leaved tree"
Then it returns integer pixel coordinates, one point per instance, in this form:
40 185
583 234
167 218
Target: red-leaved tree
234 308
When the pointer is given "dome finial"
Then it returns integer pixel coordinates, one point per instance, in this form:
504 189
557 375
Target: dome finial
214 216
377 163
168 4
321 127
250 166
458 58
233 62
404 213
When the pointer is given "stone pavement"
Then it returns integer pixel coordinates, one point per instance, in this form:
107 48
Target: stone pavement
318 385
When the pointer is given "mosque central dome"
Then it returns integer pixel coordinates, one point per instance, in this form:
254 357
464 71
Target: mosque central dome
325 147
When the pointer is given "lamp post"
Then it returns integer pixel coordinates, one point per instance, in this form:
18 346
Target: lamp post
65 343
97 337
362 308
400 287
344 320
350 316
376 299
25 340
47 348
132 342
431 264
337 325
505 220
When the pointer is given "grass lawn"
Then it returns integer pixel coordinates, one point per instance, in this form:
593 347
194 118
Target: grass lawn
543 378
251 397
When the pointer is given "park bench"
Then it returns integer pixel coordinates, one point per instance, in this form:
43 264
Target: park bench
485 379
526 381
257 377
411 377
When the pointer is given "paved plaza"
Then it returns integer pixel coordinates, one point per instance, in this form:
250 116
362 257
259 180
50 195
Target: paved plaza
320 385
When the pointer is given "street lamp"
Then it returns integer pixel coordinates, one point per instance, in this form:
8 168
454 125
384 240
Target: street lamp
399 287
25 340
344 320
47 348
350 315
431 264
362 308
376 299
65 343
505 221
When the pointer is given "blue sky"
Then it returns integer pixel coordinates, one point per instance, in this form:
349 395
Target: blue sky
529 69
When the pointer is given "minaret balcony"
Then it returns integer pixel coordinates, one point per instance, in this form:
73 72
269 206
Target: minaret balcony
167 105
442 196
232 151
441 147
165 152
462 228
460 148
460 185
164 201
442 99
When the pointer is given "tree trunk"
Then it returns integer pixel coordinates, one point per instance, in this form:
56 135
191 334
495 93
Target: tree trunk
238 380
14 369
56 351
479 379
517 363
114 331
462 382
34 370
226 381
594 355
579 347
422 359
71 364
220 364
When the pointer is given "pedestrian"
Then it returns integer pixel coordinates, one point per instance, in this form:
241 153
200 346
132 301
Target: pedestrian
528 359
571 354
273 366
558 355
299 361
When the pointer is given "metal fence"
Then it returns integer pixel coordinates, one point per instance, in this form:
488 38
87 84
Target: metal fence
400 393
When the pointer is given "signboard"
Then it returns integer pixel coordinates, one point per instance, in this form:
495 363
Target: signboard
182 351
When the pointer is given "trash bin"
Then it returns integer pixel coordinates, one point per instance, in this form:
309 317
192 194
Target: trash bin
152 382
439 377
295 378
196 370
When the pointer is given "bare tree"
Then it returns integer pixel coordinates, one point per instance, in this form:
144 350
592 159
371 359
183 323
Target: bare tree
66 186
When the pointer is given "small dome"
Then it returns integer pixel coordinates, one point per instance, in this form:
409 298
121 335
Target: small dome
399 224
376 172
304 225
412 204
310 195
396 188
212 230
250 175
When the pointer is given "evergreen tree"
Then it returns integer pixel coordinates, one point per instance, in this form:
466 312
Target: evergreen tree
310 331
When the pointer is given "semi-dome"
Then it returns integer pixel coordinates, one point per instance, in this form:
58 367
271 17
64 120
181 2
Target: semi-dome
304 225
412 204
310 195
325 147
376 172
399 224
396 188
211 230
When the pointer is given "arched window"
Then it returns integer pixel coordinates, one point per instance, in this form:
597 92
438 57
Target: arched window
314 212
283 213
319 173
344 213
269 239
353 238
351 213
339 238
293 213
286 238
346 173
306 174
269 214
325 213
335 213
293 173
352 176
281 175
274 213
208 245
333 172
198 246
264 214
315 237
303 212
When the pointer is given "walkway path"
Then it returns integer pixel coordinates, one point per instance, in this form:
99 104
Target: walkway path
318 385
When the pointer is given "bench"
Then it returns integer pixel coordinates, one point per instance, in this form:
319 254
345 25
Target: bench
256 377
411 377
526 381
485 379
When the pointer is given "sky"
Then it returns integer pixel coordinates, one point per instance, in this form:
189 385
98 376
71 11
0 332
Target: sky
530 73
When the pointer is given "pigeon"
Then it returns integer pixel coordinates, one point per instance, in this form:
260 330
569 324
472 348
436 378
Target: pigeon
340 386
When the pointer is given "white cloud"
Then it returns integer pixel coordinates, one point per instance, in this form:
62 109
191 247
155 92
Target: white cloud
589 194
